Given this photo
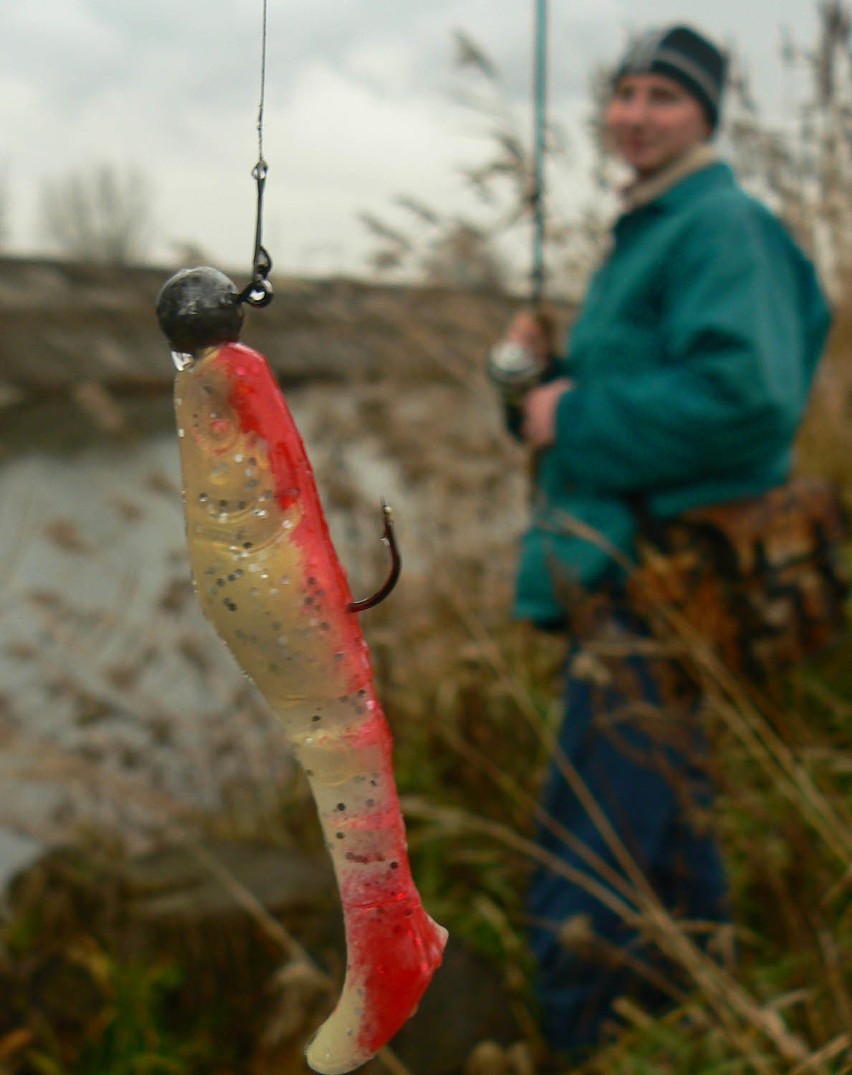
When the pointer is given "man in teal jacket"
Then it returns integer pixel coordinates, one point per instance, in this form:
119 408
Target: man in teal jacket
687 374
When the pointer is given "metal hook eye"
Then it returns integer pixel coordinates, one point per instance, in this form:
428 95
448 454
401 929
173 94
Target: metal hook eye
257 294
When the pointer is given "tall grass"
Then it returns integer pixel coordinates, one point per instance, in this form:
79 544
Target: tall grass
487 727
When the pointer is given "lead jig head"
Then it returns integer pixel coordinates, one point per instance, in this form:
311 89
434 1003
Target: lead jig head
199 308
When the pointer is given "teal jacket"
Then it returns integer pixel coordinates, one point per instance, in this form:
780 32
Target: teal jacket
693 357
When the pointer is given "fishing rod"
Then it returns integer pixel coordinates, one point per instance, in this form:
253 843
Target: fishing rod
539 150
511 364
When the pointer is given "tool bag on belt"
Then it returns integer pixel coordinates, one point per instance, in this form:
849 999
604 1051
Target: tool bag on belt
759 578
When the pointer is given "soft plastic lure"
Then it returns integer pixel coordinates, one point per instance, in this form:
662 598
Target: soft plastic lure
269 580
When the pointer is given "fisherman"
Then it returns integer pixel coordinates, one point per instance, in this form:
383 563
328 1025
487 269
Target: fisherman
684 382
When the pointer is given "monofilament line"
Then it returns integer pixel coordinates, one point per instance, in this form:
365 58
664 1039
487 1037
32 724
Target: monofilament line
261 161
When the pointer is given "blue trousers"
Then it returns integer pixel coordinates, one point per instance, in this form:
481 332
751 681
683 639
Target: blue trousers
641 755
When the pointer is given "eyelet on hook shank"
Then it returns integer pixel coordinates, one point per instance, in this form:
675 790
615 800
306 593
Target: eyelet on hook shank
258 293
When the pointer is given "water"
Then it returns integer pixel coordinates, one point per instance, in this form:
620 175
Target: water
117 697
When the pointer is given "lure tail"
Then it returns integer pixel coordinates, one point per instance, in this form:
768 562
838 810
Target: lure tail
393 946
269 581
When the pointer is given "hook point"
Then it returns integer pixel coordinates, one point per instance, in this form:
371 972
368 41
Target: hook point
389 539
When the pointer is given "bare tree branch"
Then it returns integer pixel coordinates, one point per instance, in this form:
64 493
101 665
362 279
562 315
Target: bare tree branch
101 214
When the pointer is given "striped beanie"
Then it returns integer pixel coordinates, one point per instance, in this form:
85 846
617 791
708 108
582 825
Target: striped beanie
683 55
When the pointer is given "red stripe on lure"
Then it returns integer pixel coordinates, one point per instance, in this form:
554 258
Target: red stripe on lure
269 580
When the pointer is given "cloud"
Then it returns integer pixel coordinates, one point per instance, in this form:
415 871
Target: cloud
359 101
336 147
61 48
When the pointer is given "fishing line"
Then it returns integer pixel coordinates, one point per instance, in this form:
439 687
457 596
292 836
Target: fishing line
262 86
259 291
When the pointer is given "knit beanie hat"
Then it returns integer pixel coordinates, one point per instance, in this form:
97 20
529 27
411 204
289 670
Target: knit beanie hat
683 55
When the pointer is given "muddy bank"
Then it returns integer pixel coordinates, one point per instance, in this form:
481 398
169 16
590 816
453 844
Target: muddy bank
65 325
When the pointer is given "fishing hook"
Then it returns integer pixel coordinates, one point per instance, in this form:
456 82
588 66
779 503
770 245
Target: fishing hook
389 539
259 292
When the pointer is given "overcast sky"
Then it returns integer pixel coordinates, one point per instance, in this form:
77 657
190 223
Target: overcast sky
359 106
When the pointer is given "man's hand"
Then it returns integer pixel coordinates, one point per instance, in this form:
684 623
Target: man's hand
539 423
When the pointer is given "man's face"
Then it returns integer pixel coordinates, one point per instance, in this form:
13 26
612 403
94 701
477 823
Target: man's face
652 120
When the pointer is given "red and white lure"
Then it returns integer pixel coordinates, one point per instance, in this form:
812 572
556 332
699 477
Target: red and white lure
269 580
